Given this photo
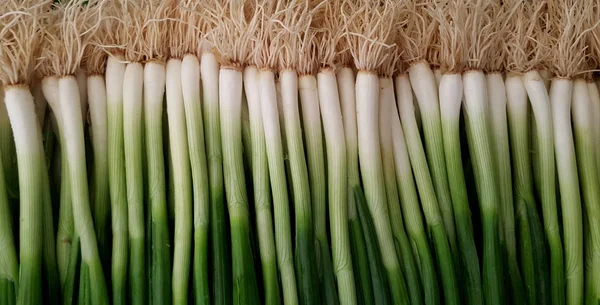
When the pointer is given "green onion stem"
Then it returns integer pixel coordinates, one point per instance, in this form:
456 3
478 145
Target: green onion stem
313 134
21 111
134 177
9 266
96 90
542 113
360 261
209 70
566 165
451 96
367 109
411 210
431 211
338 185
387 103
115 72
590 183
274 145
262 191
75 147
425 88
160 258
182 182
305 256
190 82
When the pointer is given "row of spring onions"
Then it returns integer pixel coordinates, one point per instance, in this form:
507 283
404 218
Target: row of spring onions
299 152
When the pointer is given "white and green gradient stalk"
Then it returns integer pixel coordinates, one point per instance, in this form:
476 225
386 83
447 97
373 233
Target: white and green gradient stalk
409 201
21 111
540 104
209 73
451 96
478 126
9 266
305 238
387 102
182 181
274 145
429 204
230 102
115 72
335 141
561 92
367 109
347 95
154 90
425 88
518 115
313 134
66 227
590 183
74 144
190 83
133 84
96 90
262 189
595 107
7 148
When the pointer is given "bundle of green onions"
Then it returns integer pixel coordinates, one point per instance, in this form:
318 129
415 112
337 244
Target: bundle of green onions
299 152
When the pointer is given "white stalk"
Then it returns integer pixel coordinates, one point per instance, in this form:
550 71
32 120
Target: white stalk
476 107
190 83
333 127
115 72
66 228
595 110
209 74
133 84
497 108
313 134
154 90
345 81
96 91
367 109
182 181
21 111
590 184
424 84
262 191
568 181
273 140
74 143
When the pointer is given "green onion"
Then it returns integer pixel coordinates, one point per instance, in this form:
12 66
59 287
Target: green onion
230 100
433 217
360 261
262 192
115 72
411 209
9 266
134 177
209 69
568 181
590 182
337 184
154 78
387 104
425 88
182 182
274 145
